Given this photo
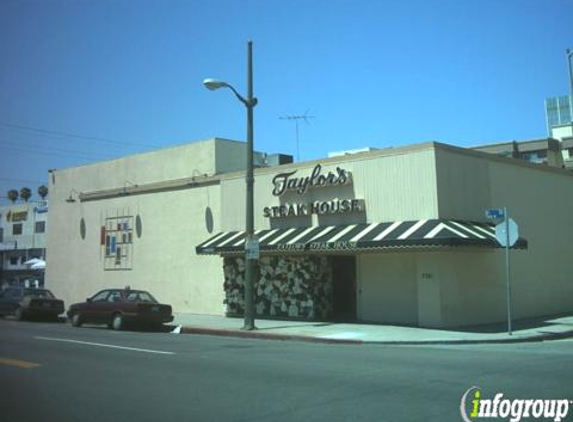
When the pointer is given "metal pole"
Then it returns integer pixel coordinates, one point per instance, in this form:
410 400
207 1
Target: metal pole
570 64
297 143
507 271
569 60
250 264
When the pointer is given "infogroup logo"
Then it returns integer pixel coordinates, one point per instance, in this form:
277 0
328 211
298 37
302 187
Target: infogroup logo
473 407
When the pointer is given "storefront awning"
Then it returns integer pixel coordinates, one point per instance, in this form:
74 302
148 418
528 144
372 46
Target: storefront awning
361 237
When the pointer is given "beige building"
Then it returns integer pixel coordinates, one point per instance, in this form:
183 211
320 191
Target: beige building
396 235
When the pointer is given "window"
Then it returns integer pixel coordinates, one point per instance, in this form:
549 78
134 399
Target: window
40 226
115 297
1 234
17 229
101 296
13 260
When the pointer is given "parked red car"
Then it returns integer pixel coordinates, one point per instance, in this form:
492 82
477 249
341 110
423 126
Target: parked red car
26 302
118 307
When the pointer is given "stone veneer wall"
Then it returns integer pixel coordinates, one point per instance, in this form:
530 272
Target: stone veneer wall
288 287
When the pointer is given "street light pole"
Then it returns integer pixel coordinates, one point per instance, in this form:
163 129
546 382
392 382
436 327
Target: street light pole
250 262
569 52
251 244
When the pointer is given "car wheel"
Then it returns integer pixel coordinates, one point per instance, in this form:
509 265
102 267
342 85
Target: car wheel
76 320
117 322
19 314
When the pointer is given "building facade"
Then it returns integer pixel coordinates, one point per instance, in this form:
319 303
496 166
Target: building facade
23 229
390 236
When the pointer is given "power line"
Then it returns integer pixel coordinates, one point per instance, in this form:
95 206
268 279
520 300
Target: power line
17 146
55 153
73 135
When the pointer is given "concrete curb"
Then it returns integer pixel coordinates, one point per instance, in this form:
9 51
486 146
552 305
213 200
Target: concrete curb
310 339
264 336
526 339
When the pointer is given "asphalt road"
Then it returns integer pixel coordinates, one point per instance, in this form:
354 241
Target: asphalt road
53 372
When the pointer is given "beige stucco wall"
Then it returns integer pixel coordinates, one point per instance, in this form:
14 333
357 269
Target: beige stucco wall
173 222
387 288
396 185
540 200
458 287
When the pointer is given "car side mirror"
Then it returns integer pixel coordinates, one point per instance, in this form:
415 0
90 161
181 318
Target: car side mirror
89 299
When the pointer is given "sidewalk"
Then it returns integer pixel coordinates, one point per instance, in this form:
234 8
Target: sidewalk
328 332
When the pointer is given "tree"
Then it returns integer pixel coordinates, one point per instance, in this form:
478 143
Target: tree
13 195
43 191
25 193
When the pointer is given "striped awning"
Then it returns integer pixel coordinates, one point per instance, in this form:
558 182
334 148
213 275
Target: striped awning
360 237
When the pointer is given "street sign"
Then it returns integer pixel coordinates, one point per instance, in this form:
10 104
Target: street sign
494 213
252 248
501 236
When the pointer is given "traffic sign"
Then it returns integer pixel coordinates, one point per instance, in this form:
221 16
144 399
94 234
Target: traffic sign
495 213
501 236
252 247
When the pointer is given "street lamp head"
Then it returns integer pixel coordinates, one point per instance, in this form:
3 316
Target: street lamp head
213 84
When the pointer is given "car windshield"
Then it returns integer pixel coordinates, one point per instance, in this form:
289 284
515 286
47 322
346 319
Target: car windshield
42 293
140 296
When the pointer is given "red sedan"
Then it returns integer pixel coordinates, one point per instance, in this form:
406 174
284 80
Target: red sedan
118 307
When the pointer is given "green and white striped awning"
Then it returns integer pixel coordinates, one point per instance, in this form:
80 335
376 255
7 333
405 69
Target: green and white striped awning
434 233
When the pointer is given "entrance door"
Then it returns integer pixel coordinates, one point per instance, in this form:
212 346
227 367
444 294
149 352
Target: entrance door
344 288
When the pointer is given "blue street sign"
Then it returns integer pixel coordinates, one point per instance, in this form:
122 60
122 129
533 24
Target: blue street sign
495 213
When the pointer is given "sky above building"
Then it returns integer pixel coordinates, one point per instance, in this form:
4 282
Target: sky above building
88 80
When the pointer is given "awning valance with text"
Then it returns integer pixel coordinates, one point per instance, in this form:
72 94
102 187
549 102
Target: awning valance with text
360 237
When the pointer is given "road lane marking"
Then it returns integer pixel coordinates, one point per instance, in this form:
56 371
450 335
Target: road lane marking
18 363
111 346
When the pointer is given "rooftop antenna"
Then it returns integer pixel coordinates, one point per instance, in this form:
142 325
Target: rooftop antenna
296 118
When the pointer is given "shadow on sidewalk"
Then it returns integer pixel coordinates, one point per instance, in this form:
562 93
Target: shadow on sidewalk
518 325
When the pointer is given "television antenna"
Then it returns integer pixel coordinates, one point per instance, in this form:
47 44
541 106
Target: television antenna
296 119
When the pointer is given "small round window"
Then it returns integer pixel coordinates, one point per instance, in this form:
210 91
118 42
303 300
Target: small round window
83 229
138 226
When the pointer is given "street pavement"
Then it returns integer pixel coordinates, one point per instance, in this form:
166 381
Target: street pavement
54 372
523 331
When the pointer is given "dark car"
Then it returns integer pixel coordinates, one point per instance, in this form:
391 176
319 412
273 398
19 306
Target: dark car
119 307
24 302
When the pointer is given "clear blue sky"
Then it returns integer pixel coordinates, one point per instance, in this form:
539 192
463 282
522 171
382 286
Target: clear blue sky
373 73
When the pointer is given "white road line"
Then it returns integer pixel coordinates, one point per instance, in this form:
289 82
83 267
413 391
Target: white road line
111 346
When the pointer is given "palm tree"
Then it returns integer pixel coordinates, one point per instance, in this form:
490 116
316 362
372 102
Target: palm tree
25 193
43 191
13 195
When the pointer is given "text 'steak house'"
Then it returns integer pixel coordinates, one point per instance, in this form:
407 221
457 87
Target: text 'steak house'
392 236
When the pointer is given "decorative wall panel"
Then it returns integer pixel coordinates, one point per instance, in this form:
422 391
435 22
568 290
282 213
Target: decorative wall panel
288 287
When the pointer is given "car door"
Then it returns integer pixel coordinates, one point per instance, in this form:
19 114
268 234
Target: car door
92 309
107 308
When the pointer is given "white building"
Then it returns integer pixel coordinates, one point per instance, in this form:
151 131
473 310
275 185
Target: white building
396 235
23 228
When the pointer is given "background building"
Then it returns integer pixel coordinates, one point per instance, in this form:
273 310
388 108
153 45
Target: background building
538 151
559 115
23 229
